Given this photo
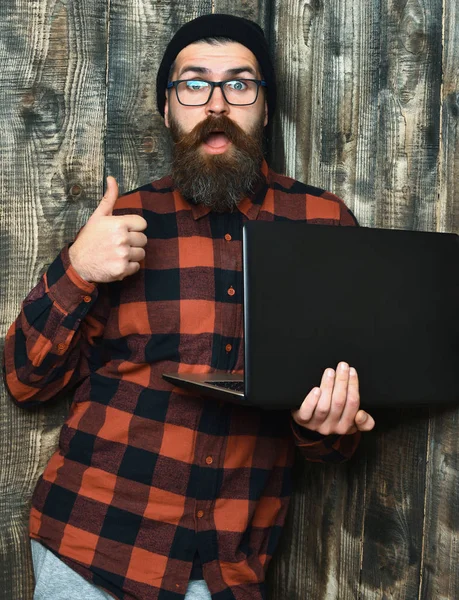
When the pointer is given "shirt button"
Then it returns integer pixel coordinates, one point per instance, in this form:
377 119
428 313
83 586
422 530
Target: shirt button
228 237
231 291
200 514
209 460
228 347
87 299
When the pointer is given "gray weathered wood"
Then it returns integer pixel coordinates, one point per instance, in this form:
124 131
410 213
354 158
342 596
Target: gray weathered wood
440 576
368 108
137 142
52 114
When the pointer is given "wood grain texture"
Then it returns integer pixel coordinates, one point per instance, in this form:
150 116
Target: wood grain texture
320 552
394 511
440 576
409 106
368 108
256 10
137 142
52 113
448 206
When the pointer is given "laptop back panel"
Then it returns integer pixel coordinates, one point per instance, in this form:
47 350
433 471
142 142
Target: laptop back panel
386 301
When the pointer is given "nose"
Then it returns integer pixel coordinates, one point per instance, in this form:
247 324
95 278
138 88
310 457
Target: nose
217 104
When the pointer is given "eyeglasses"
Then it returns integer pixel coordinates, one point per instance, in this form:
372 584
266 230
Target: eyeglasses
198 92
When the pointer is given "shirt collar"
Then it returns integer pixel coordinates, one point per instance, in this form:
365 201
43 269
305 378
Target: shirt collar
249 206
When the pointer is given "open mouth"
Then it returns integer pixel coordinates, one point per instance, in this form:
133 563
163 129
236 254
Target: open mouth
217 141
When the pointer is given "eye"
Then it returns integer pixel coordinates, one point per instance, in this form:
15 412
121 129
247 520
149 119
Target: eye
196 85
238 85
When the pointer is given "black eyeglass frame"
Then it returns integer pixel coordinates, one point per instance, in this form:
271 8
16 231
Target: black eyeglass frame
213 85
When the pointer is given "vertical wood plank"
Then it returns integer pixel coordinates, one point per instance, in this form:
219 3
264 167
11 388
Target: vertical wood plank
328 55
319 556
448 206
255 10
52 120
394 510
137 142
409 99
440 577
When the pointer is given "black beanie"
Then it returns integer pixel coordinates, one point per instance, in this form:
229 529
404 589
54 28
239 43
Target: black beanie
248 33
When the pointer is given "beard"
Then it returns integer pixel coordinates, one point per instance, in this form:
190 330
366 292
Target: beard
219 181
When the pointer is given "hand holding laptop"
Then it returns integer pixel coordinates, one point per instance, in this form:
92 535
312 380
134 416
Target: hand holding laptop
334 407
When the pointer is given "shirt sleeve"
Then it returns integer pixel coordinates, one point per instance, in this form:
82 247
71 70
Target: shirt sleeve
324 448
48 346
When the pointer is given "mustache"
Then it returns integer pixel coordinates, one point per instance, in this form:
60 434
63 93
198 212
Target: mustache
202 131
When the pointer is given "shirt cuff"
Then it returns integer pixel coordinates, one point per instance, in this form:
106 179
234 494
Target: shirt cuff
66 288
304 435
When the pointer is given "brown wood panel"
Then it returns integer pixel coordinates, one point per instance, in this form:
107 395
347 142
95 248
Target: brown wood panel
137 143
52 113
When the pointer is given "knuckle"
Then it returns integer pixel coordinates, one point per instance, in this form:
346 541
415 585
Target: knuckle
123 252
321 413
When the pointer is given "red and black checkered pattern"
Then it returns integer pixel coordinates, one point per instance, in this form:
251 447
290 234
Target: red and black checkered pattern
147 475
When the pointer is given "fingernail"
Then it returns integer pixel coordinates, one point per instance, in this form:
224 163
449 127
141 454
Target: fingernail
316 391
352 371
343 366
330 373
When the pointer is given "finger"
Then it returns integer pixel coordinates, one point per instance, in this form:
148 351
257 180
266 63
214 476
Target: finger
364 421
131 269
339 395
133 222
306 410
137 239
109 199
136 254
323 405
353 400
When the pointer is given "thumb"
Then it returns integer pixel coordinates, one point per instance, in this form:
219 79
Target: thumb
107 203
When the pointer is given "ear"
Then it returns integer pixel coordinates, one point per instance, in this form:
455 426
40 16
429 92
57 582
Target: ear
166 112
266 113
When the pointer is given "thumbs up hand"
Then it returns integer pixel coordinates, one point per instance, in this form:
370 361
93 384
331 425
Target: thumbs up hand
109 248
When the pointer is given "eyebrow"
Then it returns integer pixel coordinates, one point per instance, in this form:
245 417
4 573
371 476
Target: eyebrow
229 72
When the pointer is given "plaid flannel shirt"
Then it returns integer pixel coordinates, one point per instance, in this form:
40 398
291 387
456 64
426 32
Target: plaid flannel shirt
146 475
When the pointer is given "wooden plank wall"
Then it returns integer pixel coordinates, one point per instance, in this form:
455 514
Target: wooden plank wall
368 109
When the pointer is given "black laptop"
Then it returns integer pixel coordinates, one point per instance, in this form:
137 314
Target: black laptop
385 301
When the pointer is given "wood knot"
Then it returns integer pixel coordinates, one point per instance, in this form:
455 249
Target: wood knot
149 144
76 190
28 100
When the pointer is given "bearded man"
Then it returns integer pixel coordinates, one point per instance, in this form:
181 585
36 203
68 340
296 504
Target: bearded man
154 493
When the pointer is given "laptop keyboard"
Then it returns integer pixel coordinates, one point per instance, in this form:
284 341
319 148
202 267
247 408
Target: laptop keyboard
236 386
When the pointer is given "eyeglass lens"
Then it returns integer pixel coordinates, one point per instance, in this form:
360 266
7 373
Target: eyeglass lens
239 91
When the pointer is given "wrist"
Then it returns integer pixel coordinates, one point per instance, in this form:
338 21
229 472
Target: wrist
73 257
